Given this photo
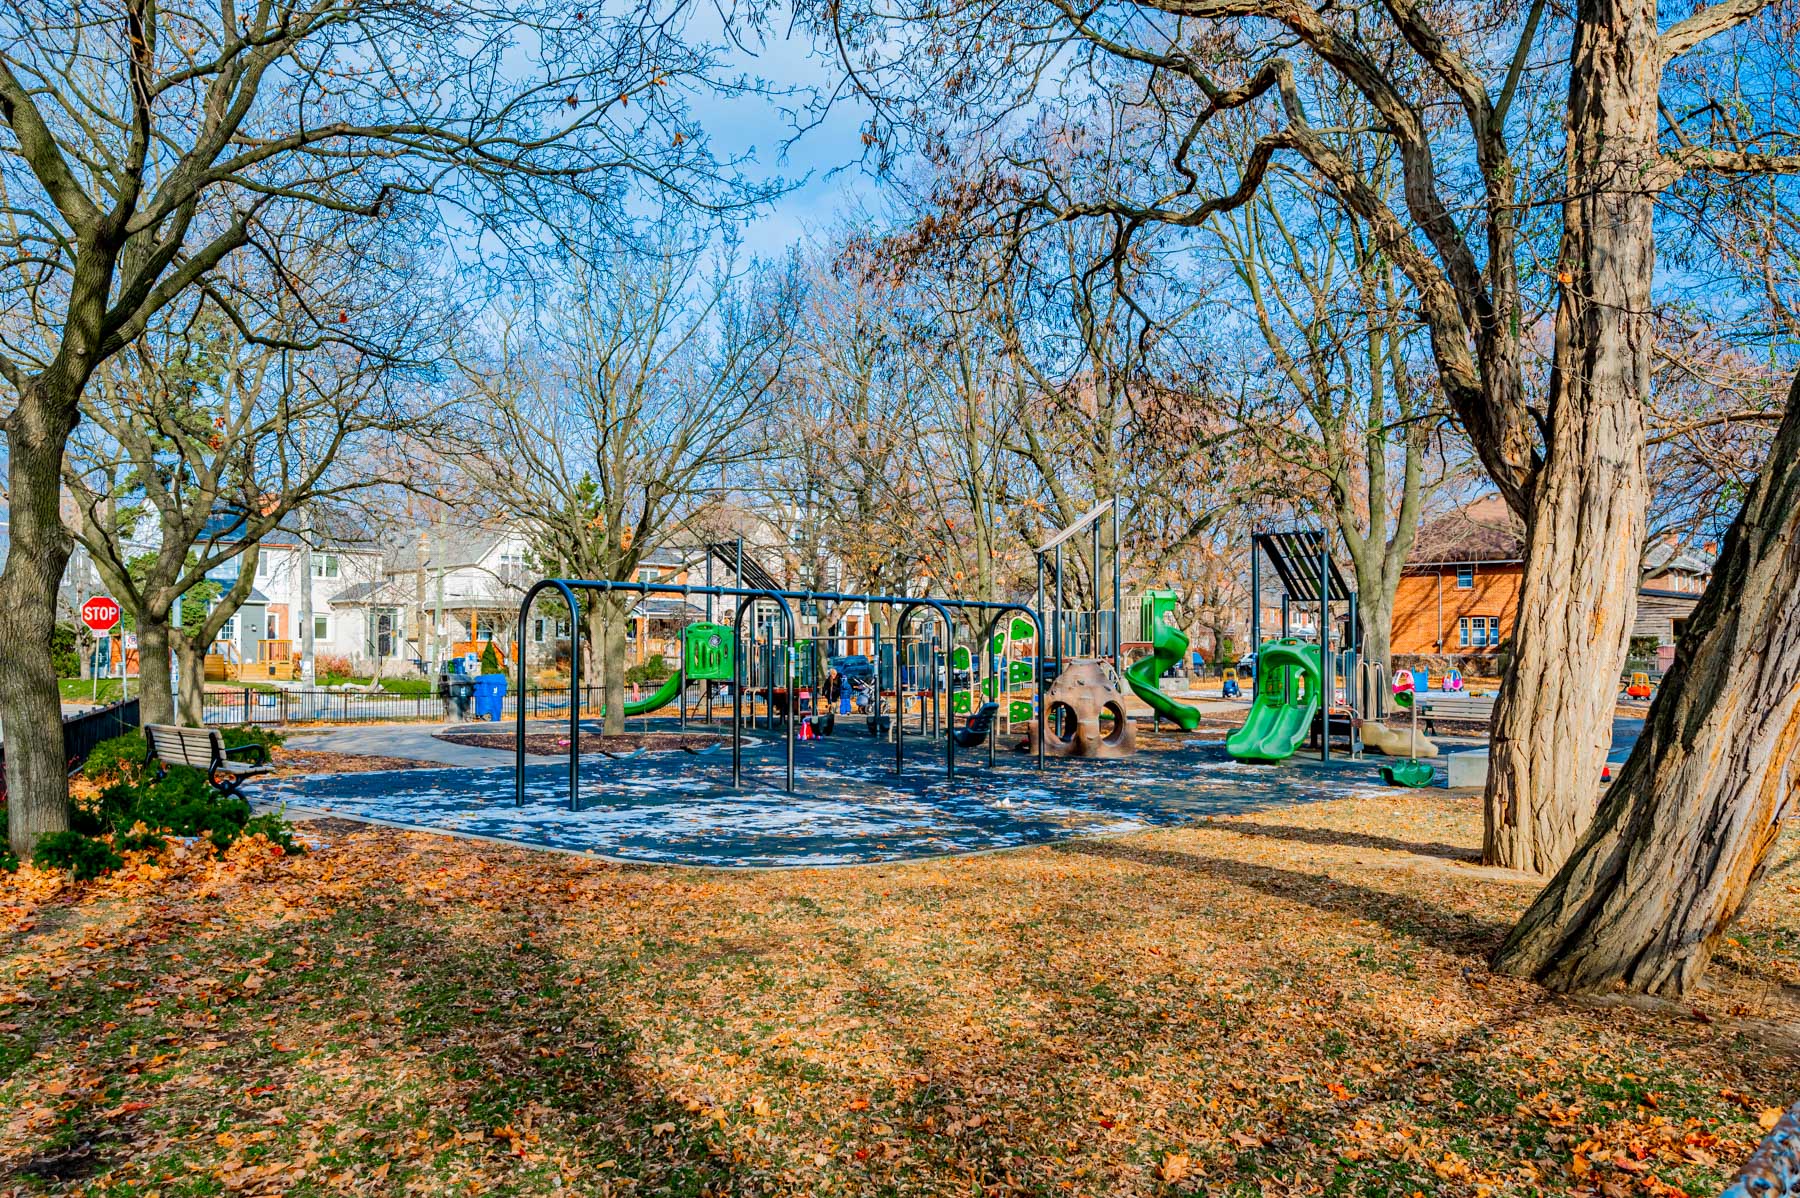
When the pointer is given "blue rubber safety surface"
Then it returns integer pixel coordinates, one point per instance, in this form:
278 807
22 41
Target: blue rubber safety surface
678 808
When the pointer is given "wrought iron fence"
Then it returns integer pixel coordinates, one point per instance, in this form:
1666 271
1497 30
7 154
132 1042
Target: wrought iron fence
248 705
82 732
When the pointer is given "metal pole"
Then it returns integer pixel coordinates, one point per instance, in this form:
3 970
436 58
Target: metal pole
899 695
574 705
1255 594
681 665
1057 620
875 640
709 619
1325 671
737 698
1118 603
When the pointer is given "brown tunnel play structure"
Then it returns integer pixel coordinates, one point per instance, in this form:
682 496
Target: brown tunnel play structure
1074 706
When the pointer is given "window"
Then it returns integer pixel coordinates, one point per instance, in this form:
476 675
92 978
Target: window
321 628
486 627
543 626
325 565
228 630
262 566
1478 632
1465 578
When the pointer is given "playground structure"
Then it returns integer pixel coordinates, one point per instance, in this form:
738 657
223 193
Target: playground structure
1085 693
1295 684
1168 645
1084 638
781 652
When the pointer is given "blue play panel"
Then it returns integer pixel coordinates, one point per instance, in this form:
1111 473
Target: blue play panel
678 808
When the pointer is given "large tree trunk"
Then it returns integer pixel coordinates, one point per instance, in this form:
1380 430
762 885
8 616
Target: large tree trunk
1375 621
593 648
37 780
158 704
613 663
192 681
1585 525
1681 839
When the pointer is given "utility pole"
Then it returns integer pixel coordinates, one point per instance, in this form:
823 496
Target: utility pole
307 647
437 623
419 606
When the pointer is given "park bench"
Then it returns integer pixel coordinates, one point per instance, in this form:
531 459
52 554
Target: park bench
204 749
1473 709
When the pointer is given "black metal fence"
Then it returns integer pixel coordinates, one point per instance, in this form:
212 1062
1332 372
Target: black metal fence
248 705
82 732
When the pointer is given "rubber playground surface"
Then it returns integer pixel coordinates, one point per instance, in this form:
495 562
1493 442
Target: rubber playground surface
849 808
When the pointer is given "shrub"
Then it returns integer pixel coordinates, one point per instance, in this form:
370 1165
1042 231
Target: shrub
120 757
84 856
251 734
490 660
136 810
332 665
63 651
652 669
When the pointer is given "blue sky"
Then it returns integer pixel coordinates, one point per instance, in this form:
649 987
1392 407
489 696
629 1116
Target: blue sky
825 159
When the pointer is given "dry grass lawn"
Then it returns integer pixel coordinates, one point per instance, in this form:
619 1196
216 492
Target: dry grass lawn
1294 1002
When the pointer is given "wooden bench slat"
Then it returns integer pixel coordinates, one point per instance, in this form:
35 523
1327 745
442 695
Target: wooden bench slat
201 749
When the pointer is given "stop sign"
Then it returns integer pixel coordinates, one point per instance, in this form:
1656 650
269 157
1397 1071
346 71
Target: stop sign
100 613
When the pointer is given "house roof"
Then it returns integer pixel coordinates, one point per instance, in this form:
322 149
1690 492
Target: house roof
1483 531
1667 555
452 545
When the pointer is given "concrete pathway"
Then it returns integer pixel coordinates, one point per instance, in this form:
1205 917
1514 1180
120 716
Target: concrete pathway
417 741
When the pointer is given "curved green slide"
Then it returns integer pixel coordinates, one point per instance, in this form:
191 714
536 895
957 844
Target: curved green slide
1287 697
1167 644
665 695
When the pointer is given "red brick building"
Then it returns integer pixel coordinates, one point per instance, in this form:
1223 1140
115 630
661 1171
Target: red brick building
1459 594
1460 590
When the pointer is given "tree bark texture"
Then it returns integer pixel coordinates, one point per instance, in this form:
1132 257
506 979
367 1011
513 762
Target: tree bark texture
158 704
1585 527
1682 836
192 654
37 782
613 662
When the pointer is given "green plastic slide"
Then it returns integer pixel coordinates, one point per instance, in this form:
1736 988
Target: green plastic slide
665 695
1167 644
1288 681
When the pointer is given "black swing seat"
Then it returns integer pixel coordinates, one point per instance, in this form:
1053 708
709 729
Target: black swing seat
976 730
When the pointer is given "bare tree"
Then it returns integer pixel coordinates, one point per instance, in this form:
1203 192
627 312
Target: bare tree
1460 91
1345 414
200 439
611 410
142 144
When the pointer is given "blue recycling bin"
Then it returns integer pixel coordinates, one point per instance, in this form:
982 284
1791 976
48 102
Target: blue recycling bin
490 693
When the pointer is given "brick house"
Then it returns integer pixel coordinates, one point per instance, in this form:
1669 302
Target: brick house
1459 594
1460 589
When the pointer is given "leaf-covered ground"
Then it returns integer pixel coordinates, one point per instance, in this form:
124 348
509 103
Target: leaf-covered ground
1293 1002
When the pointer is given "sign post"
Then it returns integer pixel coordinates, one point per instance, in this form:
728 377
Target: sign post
100 613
